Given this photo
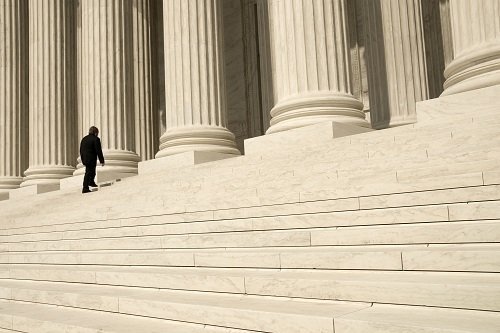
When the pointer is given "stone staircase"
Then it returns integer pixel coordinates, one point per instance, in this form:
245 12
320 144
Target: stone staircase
388 231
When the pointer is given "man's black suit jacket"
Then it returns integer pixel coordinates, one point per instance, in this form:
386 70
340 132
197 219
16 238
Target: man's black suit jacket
90 150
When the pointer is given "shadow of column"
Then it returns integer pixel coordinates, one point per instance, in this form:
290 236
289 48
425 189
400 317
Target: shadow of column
434 50
376 63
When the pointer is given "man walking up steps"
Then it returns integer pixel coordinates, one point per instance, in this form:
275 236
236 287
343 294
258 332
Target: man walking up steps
90 150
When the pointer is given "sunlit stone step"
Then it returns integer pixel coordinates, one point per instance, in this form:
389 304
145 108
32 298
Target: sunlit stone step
443 289
470 103
464 257
422 233
233 311
455 290
265 231
253 196
382 318
120 258
203 222
263 219
38 318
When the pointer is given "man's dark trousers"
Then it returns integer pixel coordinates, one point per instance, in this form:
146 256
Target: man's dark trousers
88 179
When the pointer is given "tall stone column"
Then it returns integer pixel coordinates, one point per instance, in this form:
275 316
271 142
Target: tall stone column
145 92
107 80
195 84
52 86
476 46
311 60
395 48
13 92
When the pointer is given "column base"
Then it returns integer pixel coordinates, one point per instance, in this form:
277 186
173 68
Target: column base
197 138
46 175
116 161
10 183
474 70
310 109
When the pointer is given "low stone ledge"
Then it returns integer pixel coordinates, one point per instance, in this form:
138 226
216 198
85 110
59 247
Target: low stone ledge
299 137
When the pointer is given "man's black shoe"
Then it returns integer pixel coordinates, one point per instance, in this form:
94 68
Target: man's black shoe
93 185
86 190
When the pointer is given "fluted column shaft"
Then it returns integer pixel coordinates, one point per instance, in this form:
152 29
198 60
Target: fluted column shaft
145 94
52 85
476 45
107 80
195 84
13 92
311 60
396 61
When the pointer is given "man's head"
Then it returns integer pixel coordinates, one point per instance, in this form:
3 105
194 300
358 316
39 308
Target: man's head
94 131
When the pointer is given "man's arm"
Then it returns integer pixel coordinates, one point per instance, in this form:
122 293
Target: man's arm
99 151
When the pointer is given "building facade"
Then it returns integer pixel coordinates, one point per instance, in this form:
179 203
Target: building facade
164 77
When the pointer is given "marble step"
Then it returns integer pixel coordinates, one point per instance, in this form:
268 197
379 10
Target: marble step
348 150
137 232
449 108
332 232
436 145
39 318
479 291
158 225
422 154
268 314
369 145
463 257
144 237
110 216
381 318
319 134
254 199
487 231
230 280
388 136
191 183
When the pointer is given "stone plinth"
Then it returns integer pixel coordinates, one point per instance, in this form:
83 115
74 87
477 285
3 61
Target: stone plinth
299 137
181 160
473 102
31 190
